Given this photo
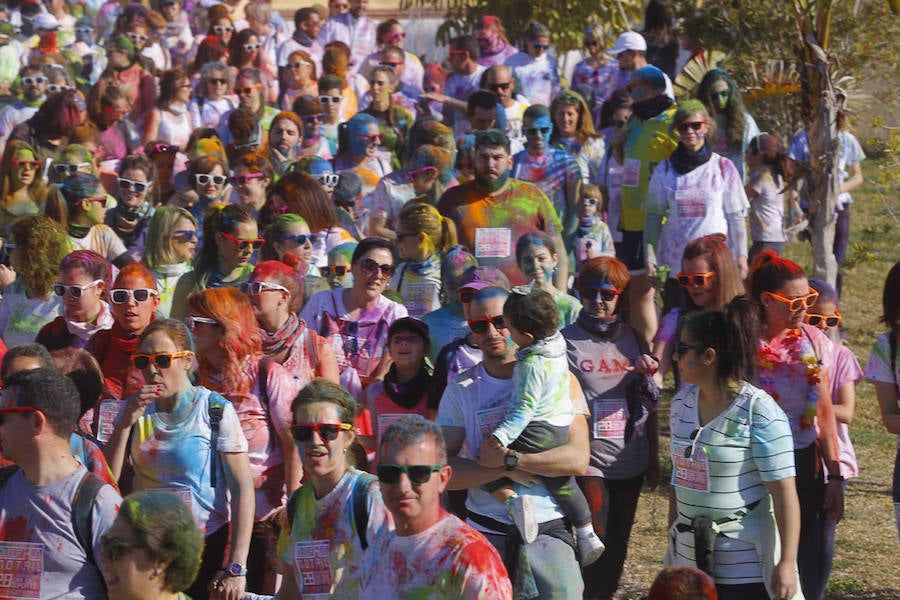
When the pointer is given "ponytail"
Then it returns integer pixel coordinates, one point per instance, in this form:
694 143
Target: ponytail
733 333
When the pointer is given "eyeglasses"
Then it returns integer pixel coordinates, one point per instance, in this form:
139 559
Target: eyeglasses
418 474
682 348
156 148
121 295
590 201
15 410
36 80
251 47
499 86
192 322
247 178
800 302
481 326
69 169
113 548
58 87
187 235
217 81
540 46
328 178
220 29
311 118
299 63
829 320
74 291
301 238
338 270
370 267
537 130
685 126
205 178
138 186
371 139
244 244
26 165
695 279
605 294
255 288
163 360
421 171
330 99
329 432
246 90
115 113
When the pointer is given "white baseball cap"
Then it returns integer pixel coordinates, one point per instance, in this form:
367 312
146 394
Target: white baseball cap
630 40
45 20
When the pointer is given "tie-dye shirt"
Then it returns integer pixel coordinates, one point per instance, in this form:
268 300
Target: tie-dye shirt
554 171
490 225
323 548
177 457
449 560
600 79
358 33
538 77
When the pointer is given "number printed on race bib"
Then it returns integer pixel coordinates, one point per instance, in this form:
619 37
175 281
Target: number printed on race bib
313 565
690 203
493 242
631 174
21 567
610 418
690 473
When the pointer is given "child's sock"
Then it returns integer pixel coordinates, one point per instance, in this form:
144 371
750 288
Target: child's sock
584 530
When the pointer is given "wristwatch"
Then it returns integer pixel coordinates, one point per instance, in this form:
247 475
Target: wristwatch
236 569
511 460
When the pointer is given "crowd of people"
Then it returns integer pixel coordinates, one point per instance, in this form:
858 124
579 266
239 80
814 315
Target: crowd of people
340 323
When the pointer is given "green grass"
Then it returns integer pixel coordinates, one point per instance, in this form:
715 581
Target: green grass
866 564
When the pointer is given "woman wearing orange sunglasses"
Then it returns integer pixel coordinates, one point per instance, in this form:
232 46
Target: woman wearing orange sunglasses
794 365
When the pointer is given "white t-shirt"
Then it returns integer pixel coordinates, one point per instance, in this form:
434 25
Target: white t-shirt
36 522
102 240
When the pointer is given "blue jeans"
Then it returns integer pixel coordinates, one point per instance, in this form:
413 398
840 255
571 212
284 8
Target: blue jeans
553 562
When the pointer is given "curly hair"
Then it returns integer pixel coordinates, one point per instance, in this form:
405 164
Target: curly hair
240 340
164 527
42 244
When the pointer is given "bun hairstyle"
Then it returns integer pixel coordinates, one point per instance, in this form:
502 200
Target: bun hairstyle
733 333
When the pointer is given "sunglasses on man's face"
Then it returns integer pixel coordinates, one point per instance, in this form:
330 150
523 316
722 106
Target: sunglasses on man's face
330 99
329 432
162 360
217 81
37 80
247 178
418 474
482 326
337 271
537 130
70 169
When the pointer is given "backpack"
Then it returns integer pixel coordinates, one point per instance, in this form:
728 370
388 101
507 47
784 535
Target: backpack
82 508
358 497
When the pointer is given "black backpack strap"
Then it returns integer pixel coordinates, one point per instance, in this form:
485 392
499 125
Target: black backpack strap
216 408
359 497
83 512
264 365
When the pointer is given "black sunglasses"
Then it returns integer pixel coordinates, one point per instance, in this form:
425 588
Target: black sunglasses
369 267
338 270
329 432
301 238
537 130
418 474
830 321
605 294
481 326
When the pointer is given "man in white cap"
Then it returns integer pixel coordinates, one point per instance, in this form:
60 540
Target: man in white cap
631 53
45 27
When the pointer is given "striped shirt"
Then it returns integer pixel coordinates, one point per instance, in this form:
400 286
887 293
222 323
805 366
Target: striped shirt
734 455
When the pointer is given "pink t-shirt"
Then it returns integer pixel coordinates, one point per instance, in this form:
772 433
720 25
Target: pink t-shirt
844 369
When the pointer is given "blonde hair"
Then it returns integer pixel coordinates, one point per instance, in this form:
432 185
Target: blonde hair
418 217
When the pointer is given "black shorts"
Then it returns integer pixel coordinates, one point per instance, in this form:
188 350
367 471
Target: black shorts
631 252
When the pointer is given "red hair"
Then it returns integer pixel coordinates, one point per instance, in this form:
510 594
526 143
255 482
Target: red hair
138 271
241 341
770 272
683 583
280 273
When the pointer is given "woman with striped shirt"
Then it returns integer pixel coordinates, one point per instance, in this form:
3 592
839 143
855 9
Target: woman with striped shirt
734 511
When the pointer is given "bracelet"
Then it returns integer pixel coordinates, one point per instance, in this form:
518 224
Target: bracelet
654 357
834 477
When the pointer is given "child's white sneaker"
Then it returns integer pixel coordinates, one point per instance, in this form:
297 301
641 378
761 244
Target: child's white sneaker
521 510
590 548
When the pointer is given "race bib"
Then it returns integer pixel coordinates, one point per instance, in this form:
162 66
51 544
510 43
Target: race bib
21 566
384 421
418 297
631 173
493 242
313 567
489 419
610 418
690 203
616 176
106 421
183 493
691 472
